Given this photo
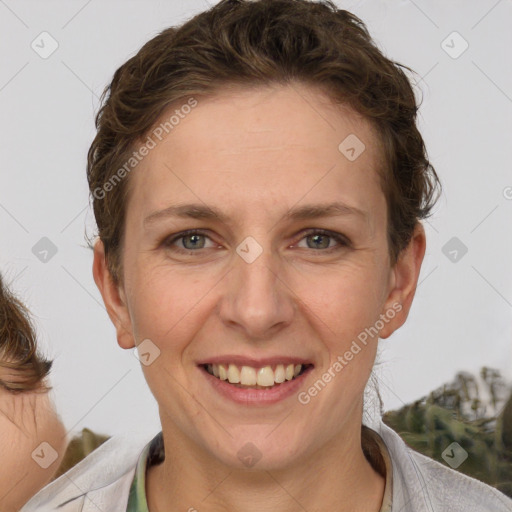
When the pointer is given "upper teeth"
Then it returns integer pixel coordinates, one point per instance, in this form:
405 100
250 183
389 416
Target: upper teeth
249 376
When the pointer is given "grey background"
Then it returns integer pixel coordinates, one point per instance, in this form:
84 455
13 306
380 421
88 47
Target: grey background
461 316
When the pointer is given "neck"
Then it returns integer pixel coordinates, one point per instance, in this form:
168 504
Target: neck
191 479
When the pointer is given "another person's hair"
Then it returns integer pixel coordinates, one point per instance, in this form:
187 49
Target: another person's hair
253 44
22 368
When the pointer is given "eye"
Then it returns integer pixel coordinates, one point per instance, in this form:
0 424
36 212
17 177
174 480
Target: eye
189 240
320 240
192 240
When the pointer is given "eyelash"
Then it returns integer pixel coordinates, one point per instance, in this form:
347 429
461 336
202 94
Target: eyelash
342 240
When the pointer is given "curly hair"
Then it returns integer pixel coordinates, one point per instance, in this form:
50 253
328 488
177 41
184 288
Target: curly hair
24 368
257 43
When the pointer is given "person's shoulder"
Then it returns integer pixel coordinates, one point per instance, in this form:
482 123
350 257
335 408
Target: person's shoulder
103 477
421 484
454 491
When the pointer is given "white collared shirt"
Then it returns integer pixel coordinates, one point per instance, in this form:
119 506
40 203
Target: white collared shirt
103 479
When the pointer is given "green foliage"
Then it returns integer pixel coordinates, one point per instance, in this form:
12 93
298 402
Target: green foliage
457 412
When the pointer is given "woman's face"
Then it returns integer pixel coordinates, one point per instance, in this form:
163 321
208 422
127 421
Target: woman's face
261 285
32 441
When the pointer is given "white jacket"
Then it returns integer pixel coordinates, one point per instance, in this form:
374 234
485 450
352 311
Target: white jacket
101 481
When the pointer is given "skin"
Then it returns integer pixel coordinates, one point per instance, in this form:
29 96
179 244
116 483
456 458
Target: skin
26 420
254 154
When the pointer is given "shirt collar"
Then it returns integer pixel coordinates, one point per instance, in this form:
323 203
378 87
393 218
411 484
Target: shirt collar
153 453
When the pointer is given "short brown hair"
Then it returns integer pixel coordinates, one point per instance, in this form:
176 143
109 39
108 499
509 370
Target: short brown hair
19 359
258 43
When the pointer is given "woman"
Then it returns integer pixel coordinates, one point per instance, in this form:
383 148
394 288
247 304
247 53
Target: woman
34 441
258 182
33 438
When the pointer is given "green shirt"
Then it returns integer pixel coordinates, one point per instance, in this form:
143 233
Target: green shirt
153 453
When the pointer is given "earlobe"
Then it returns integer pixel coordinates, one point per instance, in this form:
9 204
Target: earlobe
405 276
113 297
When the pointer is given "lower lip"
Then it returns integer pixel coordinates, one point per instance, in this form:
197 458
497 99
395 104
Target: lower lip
256 396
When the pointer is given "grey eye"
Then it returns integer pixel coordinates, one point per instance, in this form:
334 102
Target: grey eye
195 243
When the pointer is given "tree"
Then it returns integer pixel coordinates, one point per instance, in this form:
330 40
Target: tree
475 413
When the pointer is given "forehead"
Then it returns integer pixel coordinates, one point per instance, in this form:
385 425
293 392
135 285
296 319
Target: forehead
259 145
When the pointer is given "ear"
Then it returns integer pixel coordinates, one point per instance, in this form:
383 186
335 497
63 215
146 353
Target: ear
403 280
114 298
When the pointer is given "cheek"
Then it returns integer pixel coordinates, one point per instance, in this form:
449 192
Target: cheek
10 440
163 301
26 421
346 301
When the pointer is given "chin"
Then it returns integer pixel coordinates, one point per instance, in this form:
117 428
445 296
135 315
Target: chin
258 452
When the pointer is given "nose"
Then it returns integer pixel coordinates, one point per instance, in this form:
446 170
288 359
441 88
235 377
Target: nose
256 299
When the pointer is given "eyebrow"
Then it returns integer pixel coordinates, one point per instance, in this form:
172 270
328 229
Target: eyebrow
306 212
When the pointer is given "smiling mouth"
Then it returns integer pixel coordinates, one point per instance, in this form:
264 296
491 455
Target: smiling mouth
248 377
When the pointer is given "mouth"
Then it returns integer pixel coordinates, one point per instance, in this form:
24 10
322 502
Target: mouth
249 377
